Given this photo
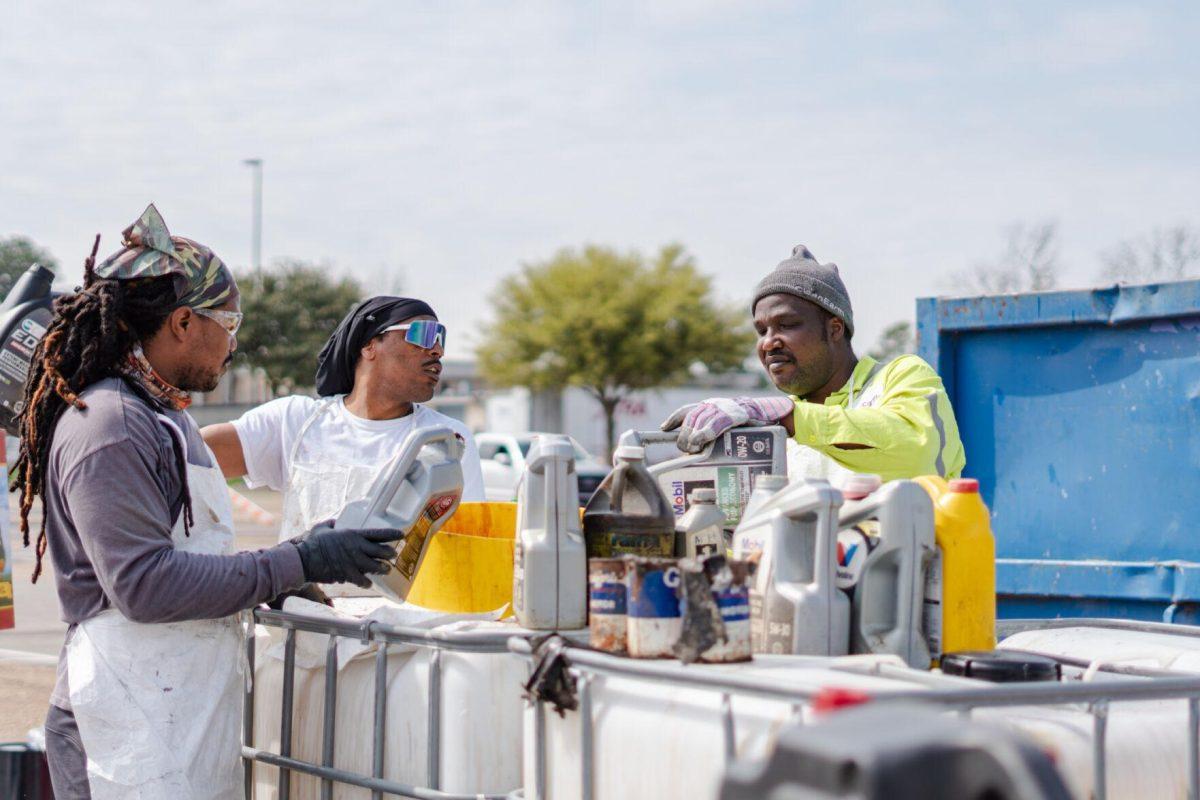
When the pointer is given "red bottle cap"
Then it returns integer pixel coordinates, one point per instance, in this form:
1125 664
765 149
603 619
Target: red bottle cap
964 486
832 698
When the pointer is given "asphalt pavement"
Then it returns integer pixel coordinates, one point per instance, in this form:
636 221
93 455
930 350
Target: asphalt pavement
29 651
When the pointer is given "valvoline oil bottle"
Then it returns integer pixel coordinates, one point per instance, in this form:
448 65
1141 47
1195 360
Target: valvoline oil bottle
962 581
24 317
629 514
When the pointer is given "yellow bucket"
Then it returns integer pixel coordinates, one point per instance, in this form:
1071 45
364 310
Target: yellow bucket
468 567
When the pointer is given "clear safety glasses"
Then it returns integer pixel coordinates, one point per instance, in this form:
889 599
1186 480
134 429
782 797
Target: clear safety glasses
425 333
231 321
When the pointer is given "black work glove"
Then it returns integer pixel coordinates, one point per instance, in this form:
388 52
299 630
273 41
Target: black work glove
309 591
347 555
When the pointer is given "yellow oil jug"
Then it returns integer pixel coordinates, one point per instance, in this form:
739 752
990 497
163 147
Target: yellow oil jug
964 574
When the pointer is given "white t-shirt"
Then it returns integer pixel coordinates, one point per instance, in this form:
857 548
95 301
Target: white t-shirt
268 436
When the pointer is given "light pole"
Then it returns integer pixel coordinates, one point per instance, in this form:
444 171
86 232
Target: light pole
256 165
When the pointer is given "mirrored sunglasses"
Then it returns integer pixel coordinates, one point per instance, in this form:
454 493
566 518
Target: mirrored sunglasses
231 321
425 333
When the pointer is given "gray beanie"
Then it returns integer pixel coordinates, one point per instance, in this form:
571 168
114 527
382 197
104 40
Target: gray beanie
803 277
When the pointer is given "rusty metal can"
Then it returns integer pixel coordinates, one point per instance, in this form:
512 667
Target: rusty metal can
654 613
607 604
731 592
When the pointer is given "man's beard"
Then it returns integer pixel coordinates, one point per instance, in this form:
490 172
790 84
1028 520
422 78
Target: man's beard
198 379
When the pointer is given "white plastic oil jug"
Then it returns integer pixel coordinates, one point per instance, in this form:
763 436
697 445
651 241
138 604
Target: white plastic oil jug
749 537
549 554
888 592
728 465
795 605
700 531
415 493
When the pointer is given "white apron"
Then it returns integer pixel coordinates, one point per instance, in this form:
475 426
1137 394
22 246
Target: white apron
159 706
318 489
803 462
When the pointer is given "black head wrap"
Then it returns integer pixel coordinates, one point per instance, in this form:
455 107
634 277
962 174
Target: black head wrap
339 356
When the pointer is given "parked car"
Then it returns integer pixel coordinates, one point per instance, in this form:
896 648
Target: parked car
502 456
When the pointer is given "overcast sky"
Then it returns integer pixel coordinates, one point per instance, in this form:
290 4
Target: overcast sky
448 142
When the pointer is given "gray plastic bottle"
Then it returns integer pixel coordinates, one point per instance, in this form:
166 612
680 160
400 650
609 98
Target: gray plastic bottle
728 465
700 531
889 594
416 492
795 605
751 533
549 556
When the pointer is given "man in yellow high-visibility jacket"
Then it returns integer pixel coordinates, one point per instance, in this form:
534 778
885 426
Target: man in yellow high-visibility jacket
845 414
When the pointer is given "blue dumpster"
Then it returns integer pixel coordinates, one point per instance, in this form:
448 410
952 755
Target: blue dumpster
1080 414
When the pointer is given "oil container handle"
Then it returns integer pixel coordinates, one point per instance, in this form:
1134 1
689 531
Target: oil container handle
408 453
643 438
552 458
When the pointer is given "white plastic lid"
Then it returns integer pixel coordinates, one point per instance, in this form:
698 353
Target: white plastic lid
630 452
859 485
770 482
703 496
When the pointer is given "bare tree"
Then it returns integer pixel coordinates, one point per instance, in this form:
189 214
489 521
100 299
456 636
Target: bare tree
1164 254
1028 262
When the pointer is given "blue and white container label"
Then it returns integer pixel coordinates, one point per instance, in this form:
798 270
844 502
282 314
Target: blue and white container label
654 593
608 598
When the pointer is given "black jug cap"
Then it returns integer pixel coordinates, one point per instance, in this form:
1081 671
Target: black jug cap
1002 666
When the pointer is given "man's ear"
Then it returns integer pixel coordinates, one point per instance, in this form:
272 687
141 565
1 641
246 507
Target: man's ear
369 350
179 323
836 328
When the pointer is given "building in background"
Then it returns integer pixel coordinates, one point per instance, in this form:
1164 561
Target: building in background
575 412
463 395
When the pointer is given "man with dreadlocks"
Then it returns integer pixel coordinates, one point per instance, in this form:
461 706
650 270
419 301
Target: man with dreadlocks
137 521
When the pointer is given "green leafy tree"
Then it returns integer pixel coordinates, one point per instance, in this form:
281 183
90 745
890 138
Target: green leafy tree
16 254
610 323
896 340
290 311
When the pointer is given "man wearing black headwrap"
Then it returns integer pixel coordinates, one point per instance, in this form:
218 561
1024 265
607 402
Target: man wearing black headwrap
379 365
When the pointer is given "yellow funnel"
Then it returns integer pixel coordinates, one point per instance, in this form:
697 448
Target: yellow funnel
468 567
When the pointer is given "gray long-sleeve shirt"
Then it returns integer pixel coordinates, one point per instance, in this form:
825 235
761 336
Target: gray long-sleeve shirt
113 493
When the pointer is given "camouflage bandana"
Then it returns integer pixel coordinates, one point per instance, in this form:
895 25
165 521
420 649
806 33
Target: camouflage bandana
201 278
138 367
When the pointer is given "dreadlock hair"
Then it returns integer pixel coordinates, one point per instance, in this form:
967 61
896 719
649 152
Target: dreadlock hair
88 338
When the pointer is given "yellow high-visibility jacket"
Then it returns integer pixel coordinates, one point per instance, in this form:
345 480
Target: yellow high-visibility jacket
891 419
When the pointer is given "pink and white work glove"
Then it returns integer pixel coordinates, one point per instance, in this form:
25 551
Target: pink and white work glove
701 423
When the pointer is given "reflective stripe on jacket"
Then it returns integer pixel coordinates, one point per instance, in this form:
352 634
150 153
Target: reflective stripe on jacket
894 420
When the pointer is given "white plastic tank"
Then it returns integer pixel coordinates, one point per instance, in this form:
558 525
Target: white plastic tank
481 724
549 555
666 741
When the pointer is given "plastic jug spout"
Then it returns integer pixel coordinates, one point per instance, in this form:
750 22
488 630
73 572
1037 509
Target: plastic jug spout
34 282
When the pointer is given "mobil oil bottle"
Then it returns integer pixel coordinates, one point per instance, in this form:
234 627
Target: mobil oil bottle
628 514
960 599
795 605
549 558
885 553
727 465
24 317
415 492
700 532
748 539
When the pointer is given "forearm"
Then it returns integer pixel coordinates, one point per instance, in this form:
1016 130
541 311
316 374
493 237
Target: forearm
169 585
227 447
